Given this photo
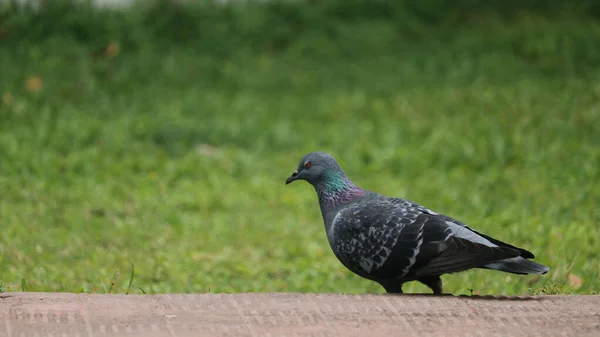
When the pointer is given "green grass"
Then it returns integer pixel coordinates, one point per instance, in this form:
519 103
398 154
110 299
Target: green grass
171 154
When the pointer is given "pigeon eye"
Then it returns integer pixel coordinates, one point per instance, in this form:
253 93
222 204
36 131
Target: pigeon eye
307 164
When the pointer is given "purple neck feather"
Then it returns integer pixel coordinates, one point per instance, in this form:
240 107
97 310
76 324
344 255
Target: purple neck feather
336 189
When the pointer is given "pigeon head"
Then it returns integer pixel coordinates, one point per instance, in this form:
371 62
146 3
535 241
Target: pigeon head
316 168
332 185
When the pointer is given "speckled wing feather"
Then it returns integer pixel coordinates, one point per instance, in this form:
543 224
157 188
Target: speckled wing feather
364 235
458 254
468 233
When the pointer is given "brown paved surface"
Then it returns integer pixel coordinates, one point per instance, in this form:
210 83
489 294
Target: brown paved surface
293 314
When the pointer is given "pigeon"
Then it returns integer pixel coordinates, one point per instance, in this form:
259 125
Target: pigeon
392 241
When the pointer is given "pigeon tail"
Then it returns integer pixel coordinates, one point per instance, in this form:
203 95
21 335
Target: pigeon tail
518 265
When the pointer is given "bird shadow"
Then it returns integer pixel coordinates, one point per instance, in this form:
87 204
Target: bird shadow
475 297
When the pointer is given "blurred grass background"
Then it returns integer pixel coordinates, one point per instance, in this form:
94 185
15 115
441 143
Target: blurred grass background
161 136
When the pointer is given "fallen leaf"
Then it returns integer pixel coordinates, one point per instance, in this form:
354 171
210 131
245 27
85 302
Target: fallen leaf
112 49
574 281
34 84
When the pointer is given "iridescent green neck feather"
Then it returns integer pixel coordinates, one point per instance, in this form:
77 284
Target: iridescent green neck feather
335 181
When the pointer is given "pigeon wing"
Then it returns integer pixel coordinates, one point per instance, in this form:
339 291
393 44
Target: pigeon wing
469 232
425 245
524 253
453 253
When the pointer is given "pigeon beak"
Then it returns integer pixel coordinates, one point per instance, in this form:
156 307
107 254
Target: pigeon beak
292 177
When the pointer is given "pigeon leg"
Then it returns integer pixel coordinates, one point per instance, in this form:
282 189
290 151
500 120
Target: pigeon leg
392 286
433 282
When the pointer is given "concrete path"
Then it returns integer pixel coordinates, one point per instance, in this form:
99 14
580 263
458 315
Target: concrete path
293 314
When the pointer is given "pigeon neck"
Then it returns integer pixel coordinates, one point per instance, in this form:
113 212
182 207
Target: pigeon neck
336 189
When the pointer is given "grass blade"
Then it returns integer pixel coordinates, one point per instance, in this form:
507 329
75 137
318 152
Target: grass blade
131 277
